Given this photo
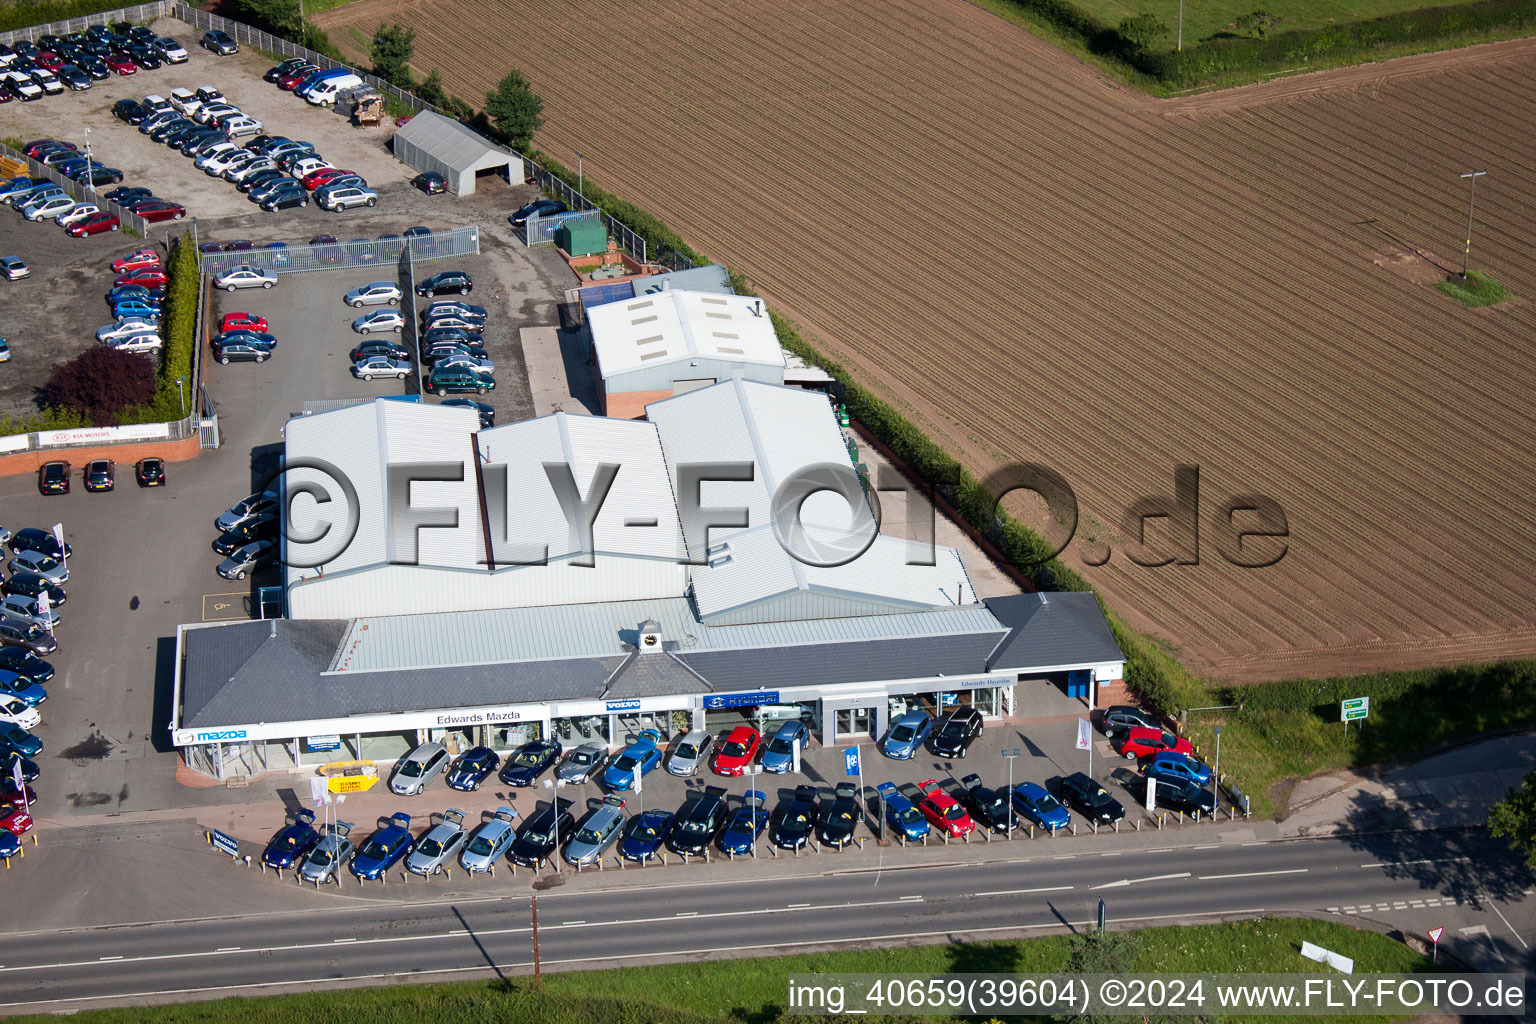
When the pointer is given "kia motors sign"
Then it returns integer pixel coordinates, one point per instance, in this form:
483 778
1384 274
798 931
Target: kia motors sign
103 435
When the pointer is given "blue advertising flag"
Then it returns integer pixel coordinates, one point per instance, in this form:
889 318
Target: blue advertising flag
851 758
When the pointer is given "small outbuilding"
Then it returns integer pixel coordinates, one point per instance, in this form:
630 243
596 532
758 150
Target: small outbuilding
432 142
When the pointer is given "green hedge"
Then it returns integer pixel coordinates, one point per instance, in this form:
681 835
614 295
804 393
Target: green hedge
1328 44
25 15
1512 681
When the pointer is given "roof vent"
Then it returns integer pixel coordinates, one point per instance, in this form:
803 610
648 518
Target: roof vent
650 636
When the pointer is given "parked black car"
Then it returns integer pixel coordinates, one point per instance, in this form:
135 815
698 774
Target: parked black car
539 837
955 733
524 765
32 539
130 111
31 584
988 807
1090 799
472 768
262 527
449 282
796 822
1185 795
838 820
25 663
541 207
698 825
487 413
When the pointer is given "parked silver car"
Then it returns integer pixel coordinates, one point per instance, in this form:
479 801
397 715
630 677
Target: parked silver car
439 846
46 566
489 842
379 320
593 836
24 606
374 293
245 276
420 767
323 862
583 763
690 752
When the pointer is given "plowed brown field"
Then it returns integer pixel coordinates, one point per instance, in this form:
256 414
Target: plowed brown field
1036 264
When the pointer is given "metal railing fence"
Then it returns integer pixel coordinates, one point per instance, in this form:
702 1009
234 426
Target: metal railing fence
139 15
378 253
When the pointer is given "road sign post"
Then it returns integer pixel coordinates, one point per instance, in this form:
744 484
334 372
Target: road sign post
1434 936
1354 709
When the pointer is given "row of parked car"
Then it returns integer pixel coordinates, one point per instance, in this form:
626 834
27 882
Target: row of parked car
40 198
32 70
138 290
317 86
248 535
30 598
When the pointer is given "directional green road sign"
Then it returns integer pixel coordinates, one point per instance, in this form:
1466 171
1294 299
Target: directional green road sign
1354 709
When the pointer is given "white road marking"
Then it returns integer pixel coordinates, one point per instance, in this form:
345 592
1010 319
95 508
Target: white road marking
344 940
1496 910
1256 874
1406 863
118 957
227 949
908 899
583 921
1023 892
1132 881
692 913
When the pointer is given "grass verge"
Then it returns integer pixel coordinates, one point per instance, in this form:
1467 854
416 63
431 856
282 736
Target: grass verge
756 990
1476 290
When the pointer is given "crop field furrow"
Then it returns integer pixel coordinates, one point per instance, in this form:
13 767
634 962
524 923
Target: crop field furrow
1034 263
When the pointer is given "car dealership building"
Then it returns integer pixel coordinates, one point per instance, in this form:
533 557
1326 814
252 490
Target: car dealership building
554 576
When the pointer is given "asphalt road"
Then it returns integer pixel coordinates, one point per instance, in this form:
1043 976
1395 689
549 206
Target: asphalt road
675 918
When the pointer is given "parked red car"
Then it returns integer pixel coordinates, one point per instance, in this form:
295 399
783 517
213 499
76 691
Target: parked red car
149 277
16 821
10 796
161 210
242 322
294 77
734 755
121 63
314 179
1151 742
95 224
944 811
36 148
136 259
49 60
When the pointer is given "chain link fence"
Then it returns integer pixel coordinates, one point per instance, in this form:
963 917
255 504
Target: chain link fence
36 170
378 253
138 15
542 230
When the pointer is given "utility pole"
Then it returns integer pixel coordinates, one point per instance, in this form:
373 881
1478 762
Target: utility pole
1181 25
1010 755
535 940
1466 259
90 170
581 180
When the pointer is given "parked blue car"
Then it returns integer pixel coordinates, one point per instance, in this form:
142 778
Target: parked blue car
746 825
22 688
907 736
16 186
383 849
16 740
779 754
292 843
907 821
1169 765
640 756
472 768
646 834
524 766
1034 804
128 307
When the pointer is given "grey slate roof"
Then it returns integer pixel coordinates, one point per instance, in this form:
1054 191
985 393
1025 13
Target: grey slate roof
282 678
1062 628
653 674
829 664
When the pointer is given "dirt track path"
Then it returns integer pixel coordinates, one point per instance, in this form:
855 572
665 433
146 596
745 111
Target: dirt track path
1036 263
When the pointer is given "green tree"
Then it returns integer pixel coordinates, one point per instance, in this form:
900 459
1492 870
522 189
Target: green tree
513 110
431 89
277 16
391 51
1514 818
1142 31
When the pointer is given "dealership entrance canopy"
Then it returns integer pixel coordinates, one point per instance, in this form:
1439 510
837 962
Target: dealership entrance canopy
638 620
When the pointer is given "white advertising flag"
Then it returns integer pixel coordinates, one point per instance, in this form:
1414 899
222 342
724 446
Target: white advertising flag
1084 738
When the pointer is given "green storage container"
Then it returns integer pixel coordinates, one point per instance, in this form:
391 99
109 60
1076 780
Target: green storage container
582 237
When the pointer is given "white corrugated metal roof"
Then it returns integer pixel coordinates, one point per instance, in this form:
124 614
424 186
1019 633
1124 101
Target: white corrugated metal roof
455 145
357 446
501 635
671 326
639 494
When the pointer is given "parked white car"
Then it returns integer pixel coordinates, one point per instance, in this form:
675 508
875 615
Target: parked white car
80 212
145 341
244 276
370 367
48 208
124 328
254 167
346 198
308 165
239 127
208 111
374 293
18 712
29 89
216 164
463 360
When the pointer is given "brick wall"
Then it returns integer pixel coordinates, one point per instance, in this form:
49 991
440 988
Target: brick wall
122 454
1115 693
